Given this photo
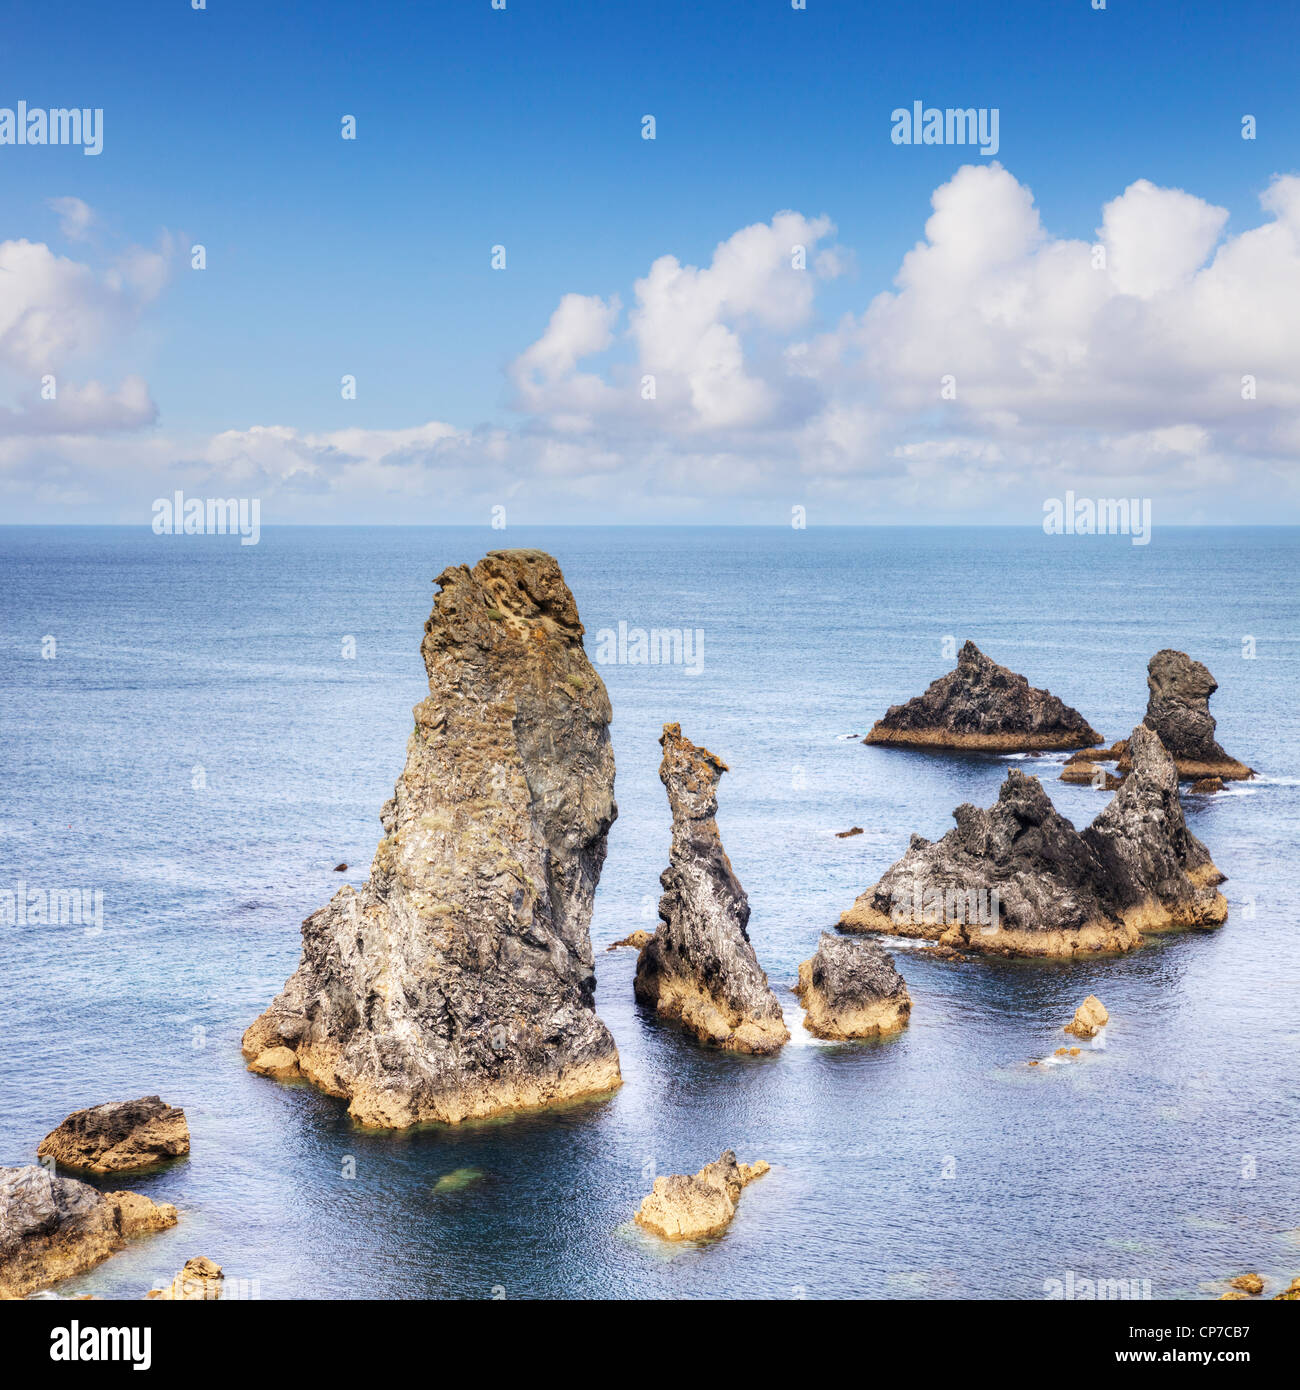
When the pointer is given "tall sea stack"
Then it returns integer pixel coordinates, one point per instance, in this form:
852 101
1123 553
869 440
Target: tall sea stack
1178 709
458 982
700 967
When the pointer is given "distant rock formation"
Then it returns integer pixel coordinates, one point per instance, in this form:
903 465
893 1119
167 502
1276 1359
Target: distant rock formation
699 967
1018 879
118 1137
1206 786
52 1227
983 706
849 833
200 1281
1089 1018
850 989
685 1207
458 981
1178 709
1087 774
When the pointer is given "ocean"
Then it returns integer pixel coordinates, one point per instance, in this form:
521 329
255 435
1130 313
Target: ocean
196 745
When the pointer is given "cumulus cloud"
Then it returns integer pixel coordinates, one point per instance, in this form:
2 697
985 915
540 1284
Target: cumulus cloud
1155 356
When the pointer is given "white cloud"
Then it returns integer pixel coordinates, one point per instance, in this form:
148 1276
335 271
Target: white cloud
1120 377
75 217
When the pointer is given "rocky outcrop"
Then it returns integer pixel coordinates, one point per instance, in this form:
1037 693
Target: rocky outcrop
850 989
200 1281
1089 1018
849 833
699 967
1250 1284
1206 786
636 939
118 1137
685 1207
1178 709
458 981
1018 879
52 1227
1087 774
983 706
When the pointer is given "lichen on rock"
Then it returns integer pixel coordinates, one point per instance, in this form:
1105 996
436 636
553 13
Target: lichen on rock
696 1206
1041 887
458 981
118 1137
700 967
983 706
851 989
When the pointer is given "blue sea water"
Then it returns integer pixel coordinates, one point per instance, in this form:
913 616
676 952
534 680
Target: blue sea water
200 750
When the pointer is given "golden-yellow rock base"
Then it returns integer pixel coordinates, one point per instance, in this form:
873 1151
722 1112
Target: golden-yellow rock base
876 1020
376 1108
1093 938
978 743
712 1022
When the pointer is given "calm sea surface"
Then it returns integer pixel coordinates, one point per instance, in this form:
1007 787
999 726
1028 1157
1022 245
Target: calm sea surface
936 1165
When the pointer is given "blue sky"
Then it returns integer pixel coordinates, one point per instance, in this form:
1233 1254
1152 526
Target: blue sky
523 127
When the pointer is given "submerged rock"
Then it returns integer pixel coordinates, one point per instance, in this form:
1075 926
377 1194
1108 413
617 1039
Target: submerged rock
1248 1283
458 981
981 705
1089 1018
693 1207
1178 709
52 1227
850 989
118 1137
700 967
1018 879
847 834
200 1281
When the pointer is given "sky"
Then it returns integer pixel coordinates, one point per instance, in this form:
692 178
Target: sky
1107 303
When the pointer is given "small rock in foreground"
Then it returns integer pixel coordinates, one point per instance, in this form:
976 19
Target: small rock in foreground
683 1207
118 1137
1089 1018
199 1282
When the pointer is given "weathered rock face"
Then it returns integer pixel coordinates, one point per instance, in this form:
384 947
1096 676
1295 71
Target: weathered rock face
52 1227
1089 1018
850 989
1155 872
699 967
693 1207
982 705
118 1137
200 1281
1178 709
1018 879
458 981
1087 774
